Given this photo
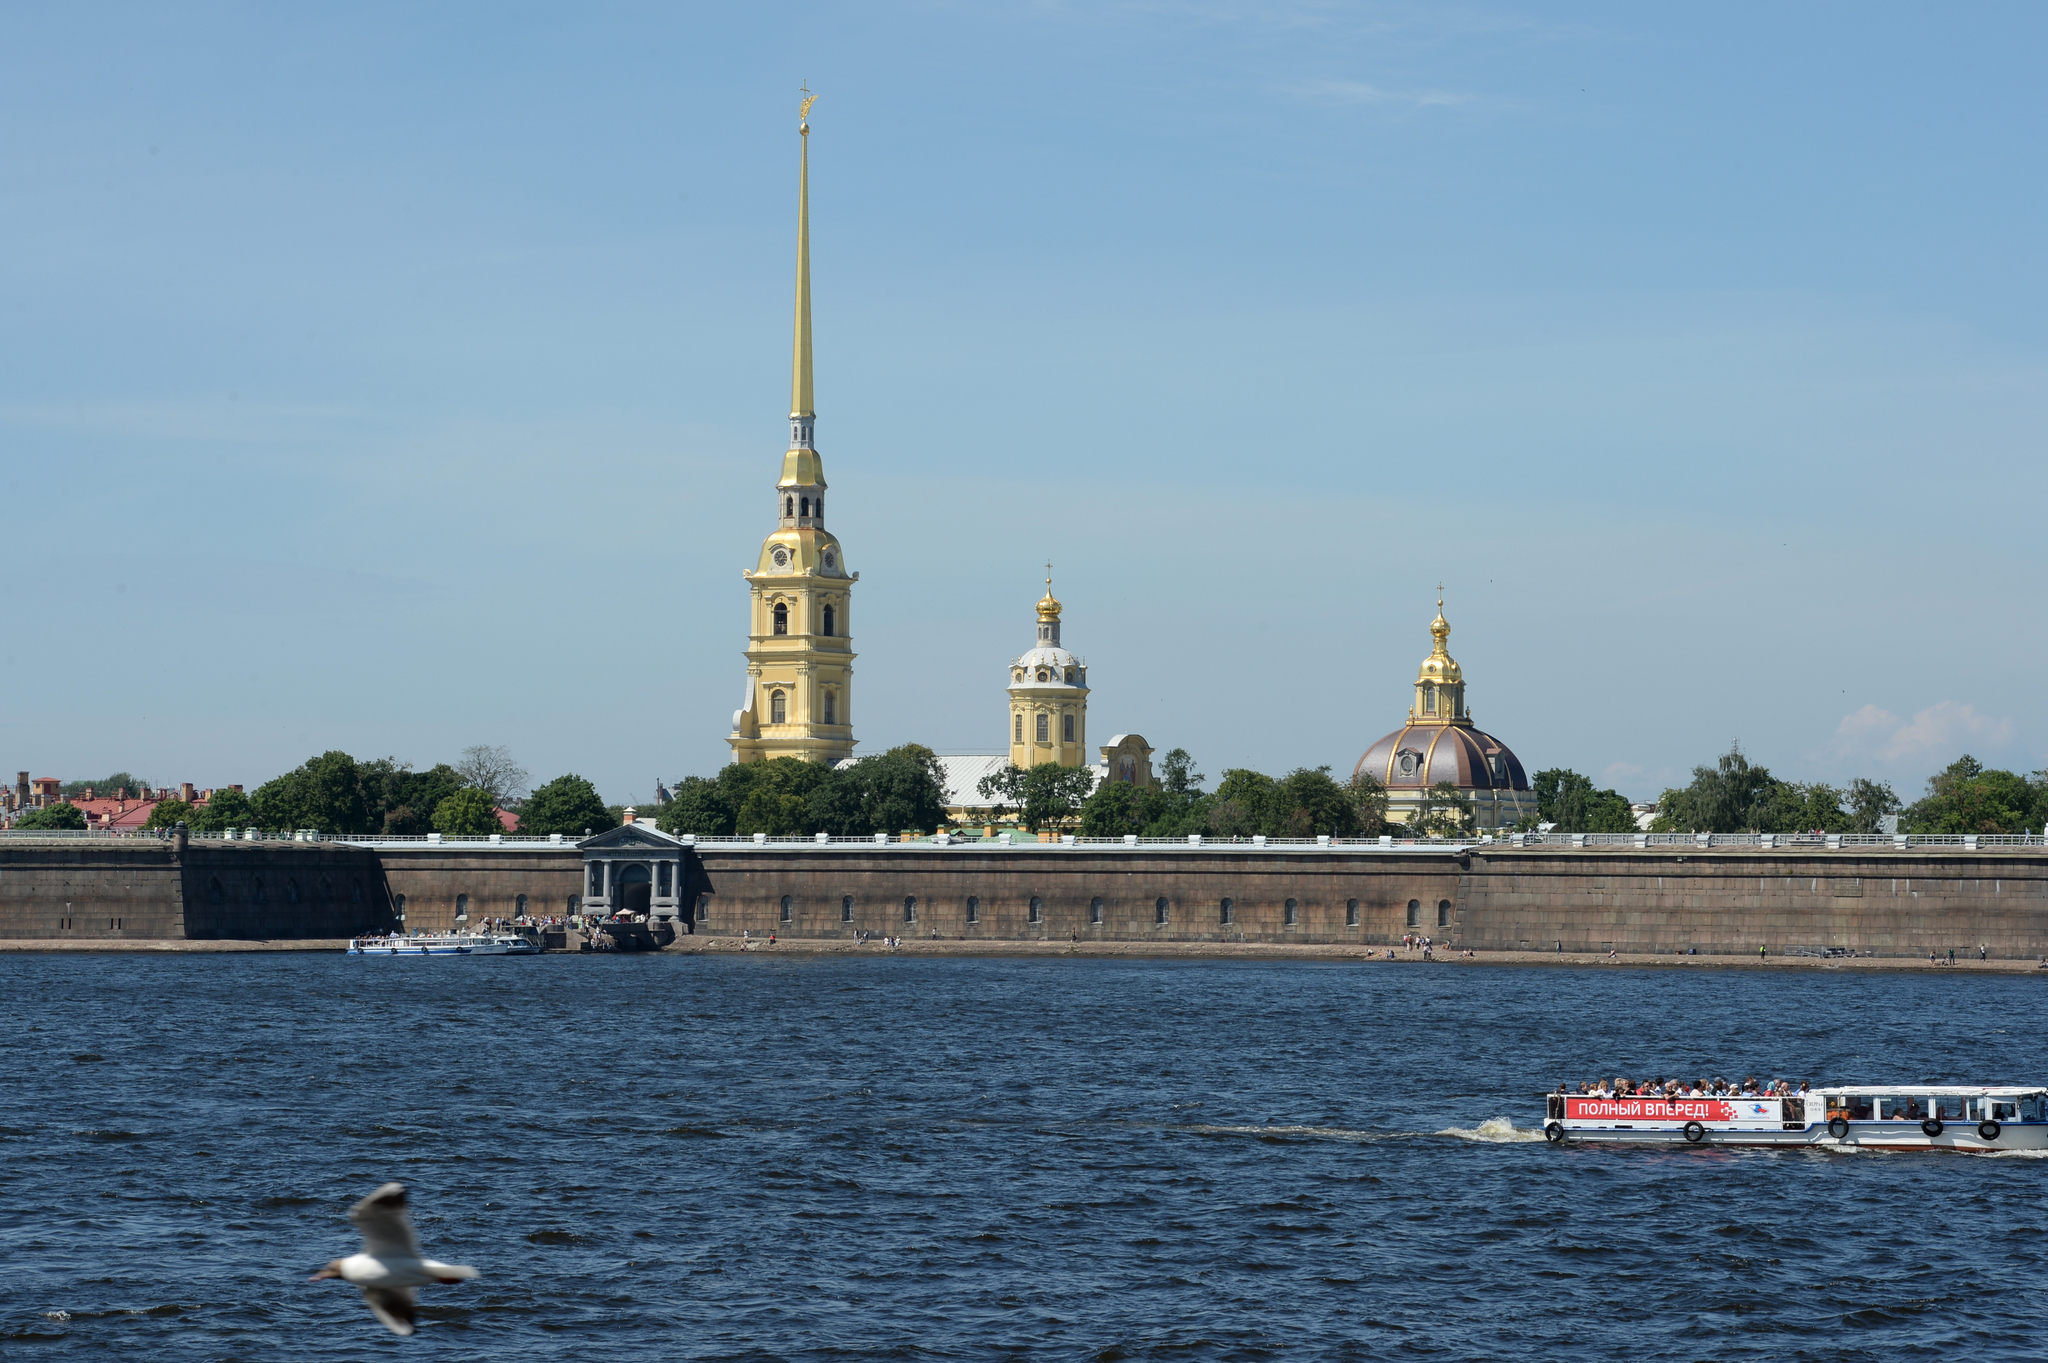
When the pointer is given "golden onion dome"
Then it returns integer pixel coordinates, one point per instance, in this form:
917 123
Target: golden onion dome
1440 666
1048 605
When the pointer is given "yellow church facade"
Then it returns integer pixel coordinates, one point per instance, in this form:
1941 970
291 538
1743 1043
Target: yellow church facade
799 692
1048 697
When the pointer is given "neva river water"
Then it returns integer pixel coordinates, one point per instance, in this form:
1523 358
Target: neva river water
885 1157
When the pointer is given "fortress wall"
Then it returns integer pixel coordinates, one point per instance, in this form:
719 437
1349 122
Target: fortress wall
432 878
1733 900
746 891
1722 901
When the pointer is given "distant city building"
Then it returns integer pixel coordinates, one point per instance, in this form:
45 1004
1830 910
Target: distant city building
799 698
1439 744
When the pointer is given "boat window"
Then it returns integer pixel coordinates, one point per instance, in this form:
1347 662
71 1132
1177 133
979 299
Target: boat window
1900 1109
2005 1110
1859 1107
1951 1107
2030 1108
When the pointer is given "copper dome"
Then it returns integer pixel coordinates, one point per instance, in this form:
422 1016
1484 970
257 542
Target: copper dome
1421 755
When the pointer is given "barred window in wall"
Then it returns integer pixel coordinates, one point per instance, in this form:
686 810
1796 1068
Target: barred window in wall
519 905
1351 913
974 908
1044 727
1037 909
846 909
1414 913
462 906
1293 913
910 909
781 618
1067 726
1019 727
831 703
1443 913
786 906
778 708
1159 909
1228 905
1095 909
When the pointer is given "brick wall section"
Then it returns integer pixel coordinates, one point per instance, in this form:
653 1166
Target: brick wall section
1734 900
431 878
747 888
99 891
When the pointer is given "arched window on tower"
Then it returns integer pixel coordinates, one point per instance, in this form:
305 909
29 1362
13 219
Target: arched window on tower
1044 727
831 707
829 620
1067 725
806 507
789 506
1429 700
781 618
1019 726
778 708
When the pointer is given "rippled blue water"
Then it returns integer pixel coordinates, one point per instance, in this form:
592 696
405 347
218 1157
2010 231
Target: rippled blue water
756 1157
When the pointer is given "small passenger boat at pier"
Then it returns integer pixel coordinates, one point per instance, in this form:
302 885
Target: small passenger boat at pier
1869 1117
446 944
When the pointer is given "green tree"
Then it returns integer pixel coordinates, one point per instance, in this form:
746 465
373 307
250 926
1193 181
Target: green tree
901 790
1368 796
169 814
568 805
1966 797
1046 796
1307 803
1795 807
1869 801
468 813
1182 807
701 807
227 808
1570 801
104 789
55 816
1727 797
1240 806
778 795
325 793
1119 809
1442 812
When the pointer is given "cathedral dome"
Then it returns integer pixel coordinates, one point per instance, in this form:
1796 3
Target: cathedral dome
1423 754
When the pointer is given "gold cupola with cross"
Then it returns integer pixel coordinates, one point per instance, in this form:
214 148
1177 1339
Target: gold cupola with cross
1439 684
1048 696
799 695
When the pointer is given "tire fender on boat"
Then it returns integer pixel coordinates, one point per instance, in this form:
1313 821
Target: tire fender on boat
1838 1127
1553 1132
1695 1133
1932 1126
1989 1129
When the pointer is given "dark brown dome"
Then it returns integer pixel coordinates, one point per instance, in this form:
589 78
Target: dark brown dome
1466 757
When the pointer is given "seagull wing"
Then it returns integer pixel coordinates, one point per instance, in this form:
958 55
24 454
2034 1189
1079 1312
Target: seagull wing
386 1226
393 1306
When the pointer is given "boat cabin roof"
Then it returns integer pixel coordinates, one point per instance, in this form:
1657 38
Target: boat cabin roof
1950 1090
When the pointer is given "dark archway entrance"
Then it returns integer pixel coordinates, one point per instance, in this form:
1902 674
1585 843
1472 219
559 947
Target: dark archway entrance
634 889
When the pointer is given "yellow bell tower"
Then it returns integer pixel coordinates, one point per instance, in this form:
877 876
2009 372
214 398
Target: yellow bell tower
1048 696
799 699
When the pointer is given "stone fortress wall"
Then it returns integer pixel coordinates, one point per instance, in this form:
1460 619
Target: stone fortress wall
1493 897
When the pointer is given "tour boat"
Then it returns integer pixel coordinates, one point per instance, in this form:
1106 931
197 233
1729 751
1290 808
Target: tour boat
447 944
1867 1117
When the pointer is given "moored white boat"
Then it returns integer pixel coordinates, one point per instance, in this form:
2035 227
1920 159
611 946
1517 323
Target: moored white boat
1872 1117
446 944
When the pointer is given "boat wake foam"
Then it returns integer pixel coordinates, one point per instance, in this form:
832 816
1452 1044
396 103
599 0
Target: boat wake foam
1493 1131
1330 1133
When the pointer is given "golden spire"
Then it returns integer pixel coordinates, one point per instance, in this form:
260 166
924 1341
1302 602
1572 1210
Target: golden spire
800 363
1048 605
1439 666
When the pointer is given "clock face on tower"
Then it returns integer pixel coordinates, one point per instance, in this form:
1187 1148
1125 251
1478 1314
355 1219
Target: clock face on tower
831 559
781 557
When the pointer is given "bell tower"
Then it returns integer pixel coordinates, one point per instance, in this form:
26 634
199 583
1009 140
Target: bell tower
1048 696
1439 682
799 695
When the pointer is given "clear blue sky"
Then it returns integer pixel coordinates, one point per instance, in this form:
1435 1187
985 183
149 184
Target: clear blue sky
395 377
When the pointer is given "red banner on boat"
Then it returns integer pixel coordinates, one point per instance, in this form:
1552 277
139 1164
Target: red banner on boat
1667 1109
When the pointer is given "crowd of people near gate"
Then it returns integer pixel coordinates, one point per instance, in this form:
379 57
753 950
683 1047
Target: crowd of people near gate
1717 1087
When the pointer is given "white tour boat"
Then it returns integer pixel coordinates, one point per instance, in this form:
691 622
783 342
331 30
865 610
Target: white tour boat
1869 1117
446 944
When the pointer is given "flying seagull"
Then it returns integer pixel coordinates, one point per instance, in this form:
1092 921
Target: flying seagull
390 1266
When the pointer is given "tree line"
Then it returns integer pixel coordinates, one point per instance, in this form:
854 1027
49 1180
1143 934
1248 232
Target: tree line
1735 795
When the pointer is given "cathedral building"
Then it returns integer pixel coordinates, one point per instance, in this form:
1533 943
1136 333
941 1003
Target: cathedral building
1439 743
799 697
1048 697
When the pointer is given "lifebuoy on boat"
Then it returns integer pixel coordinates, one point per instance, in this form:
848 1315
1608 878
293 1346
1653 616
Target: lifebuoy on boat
1988 1129
1695 1133
1932 1126
1553 1132
1838 1127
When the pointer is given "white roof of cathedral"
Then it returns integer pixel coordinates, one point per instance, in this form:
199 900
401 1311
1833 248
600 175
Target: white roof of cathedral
1048 657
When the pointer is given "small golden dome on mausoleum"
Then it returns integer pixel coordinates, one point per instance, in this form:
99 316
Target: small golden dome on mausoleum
1048 605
